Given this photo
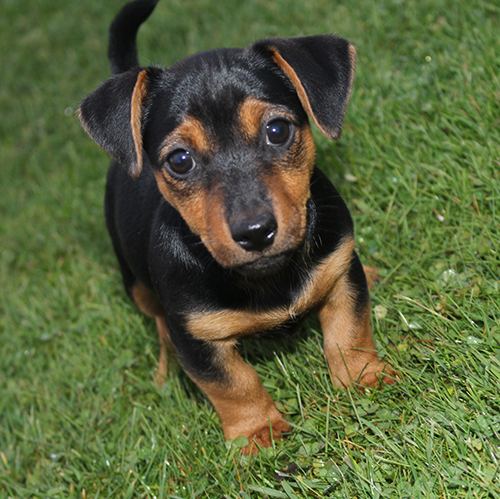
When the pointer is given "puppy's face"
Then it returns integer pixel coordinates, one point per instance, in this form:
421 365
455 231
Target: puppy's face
234 159
228 138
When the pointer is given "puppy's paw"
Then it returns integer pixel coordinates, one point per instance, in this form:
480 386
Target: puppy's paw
372 276
366 373
378 374
263 438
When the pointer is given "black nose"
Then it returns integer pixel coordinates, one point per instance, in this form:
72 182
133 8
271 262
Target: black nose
256 233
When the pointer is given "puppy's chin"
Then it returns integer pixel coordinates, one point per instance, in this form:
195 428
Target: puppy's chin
264 266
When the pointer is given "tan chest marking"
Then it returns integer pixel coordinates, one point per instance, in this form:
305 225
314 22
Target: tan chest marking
225 324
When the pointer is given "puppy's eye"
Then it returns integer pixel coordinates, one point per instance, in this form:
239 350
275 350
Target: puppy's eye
180 161
278 132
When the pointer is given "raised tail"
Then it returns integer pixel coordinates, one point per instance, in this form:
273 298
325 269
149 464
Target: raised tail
122 49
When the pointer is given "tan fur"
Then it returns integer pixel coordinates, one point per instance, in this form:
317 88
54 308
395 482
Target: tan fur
204 211
372 276
326 276
292 76
352 57
253 112
146 300
191 203
149 304
165 346
289 187
289 206
189 133
242 403
349 347
289 182
251 115
216 235
138 96
304 99
224 324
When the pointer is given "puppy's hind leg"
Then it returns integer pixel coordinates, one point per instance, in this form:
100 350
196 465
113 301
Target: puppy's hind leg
151 306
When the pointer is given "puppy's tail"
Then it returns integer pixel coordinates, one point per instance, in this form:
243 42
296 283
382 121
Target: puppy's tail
122 49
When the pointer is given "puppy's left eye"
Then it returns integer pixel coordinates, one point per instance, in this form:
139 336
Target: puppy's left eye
278 132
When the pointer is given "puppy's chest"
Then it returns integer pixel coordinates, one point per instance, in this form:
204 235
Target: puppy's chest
213 324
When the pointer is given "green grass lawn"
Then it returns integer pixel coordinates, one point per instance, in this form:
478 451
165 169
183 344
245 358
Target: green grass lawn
418 164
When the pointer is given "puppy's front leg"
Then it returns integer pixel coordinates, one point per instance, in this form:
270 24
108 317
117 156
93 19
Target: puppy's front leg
240 399
348 341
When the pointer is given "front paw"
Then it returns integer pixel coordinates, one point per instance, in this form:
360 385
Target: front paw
370 373
259 433
378 374
263 438
372 276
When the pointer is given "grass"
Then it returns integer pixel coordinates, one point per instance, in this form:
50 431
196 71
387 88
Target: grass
419 165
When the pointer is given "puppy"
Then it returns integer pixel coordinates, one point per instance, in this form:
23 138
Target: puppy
222 225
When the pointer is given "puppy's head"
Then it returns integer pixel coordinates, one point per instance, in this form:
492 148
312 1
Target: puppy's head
227 135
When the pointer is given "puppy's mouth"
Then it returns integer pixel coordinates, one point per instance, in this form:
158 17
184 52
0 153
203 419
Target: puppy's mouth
264 265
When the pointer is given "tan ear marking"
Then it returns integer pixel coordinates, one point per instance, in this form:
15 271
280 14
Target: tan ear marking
292 75
352 58
138 96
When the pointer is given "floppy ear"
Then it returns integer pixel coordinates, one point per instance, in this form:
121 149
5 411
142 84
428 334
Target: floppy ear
321 68
112 116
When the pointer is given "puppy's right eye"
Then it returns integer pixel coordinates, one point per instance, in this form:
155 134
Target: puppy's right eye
180 162
278 132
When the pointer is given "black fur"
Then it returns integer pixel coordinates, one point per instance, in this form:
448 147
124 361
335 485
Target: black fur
153 242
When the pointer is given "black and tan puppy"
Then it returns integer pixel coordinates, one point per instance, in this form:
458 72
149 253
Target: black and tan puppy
221 222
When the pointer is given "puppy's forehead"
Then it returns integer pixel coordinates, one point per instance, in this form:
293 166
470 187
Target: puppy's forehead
211 88
218 81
